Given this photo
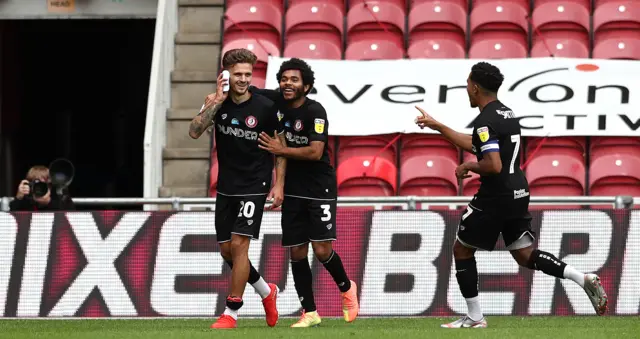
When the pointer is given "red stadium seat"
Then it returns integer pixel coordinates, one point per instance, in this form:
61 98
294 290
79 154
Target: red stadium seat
355 3
523 3
499 30
556 175
331 143
563 47
375 31
428 175
320 46
437 30
572 146
277 3
359 176
601 146
257 20
314 30
426 144
370 146
616 27
564 26
462 3
615 174
622 47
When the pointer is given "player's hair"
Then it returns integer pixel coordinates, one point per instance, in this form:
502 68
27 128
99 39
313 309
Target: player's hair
238 56
38 172
487 76
298 64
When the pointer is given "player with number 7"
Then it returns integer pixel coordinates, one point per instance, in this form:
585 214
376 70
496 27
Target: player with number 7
501 205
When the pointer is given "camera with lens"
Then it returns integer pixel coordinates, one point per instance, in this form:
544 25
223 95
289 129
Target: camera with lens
38 188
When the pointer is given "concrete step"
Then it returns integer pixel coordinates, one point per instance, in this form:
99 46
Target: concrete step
201 19
186 153
191 57
194 76
178 136
188 95
183 191
200 3
187 173
197 38
182 113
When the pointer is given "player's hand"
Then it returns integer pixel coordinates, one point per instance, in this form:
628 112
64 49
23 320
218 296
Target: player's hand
269 144
462 172
23 189
425 120
276 196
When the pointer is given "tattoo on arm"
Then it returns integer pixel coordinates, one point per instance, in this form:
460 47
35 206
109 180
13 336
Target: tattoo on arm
203 120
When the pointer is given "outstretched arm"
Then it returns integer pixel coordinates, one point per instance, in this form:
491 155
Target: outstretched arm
460 140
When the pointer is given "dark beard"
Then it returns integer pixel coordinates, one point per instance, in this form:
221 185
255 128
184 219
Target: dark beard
299 93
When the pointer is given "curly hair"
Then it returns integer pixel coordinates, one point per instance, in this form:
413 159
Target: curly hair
487 76
238 56
308 77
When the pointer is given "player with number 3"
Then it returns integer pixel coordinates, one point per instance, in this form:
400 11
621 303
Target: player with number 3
501 205
310 189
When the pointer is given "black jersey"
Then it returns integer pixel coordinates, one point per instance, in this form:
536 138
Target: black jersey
306 178
497 130
244 168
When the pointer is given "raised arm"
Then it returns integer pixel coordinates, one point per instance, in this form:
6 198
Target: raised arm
460 140
212 105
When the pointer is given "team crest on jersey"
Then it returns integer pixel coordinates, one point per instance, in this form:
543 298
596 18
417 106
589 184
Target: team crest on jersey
251 121
280 116
298 125
235 121
483 133
318 125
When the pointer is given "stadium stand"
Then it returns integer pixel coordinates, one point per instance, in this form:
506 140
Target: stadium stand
424 164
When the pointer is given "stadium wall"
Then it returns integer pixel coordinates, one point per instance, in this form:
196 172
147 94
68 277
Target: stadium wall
148 264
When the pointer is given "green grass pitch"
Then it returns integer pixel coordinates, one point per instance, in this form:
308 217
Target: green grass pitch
369 328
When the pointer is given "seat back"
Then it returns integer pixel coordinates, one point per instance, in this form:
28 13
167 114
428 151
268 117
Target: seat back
359 176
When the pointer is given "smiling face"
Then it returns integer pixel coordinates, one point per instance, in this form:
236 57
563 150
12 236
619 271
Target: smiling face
291 85
240 78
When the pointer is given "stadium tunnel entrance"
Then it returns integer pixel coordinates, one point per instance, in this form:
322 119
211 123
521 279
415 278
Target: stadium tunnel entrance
75 89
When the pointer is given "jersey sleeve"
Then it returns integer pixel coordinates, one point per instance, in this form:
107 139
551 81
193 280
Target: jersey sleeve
320 130
487 138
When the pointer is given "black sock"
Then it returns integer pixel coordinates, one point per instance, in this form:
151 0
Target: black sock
336 269
467 275
547 263
303 280
234 303
254 276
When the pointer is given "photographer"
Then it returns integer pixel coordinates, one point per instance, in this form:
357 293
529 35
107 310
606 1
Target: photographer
35 193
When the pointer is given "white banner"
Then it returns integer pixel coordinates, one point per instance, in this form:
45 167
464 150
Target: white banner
554 97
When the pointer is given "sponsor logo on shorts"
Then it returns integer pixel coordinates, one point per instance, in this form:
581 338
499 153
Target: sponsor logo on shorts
521 193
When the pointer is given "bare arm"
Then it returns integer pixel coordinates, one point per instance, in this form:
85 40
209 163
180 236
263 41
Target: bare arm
203 120
489 165
459 139
313 152
281 164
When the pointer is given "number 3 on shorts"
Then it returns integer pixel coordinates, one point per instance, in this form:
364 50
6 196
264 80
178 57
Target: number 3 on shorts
326 212
247 209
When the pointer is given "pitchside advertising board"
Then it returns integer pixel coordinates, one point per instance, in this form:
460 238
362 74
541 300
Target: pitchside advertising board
550 96
128 264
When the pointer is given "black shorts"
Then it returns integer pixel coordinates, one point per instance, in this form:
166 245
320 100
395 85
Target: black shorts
239 215
305 220
486 218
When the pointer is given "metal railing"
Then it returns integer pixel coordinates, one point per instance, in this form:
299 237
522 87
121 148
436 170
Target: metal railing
159 99
405 202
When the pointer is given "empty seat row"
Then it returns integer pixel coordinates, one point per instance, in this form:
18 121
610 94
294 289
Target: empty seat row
555 166
436 29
